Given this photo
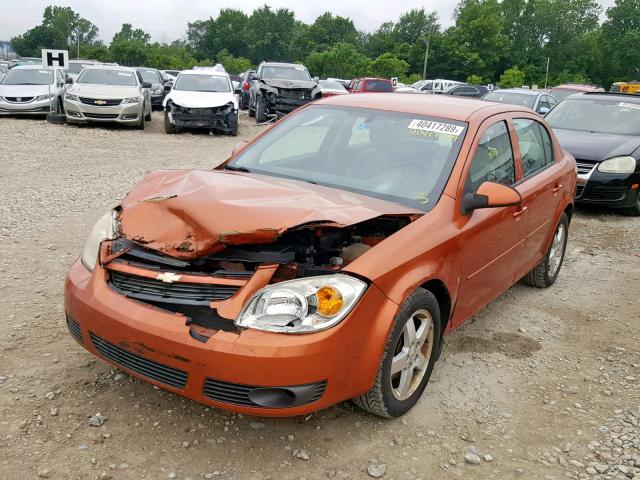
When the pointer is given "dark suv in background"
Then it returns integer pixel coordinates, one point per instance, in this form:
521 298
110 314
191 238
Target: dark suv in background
246 80
280 88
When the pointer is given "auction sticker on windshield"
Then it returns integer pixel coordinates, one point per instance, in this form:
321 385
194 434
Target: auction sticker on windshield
427 128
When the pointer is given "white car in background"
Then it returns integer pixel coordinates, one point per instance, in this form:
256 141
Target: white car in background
76 66
32 90
438 85
202 98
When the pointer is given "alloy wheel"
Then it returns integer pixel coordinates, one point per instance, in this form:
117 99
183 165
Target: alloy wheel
412 354
557 250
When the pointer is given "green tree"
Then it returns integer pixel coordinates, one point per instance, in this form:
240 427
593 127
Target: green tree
388 65
328 30
30 43
621 38
233 64
272 33
131 46
475 80
512 78
342 61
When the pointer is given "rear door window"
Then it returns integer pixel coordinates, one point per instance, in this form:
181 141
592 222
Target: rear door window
535 145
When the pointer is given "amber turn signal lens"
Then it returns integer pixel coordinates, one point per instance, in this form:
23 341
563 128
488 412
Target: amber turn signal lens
330 301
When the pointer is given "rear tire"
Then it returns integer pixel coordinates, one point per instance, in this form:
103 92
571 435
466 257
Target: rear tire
410 358
546 272
261 109
168 126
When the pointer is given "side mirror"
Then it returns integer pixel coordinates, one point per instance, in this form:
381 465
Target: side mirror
146 85
490 195
68 80
239 147
316 79
543 111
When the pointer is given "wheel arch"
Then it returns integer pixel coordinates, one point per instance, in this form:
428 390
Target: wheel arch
440 291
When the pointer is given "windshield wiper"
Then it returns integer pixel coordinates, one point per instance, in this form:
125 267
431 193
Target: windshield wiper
233 168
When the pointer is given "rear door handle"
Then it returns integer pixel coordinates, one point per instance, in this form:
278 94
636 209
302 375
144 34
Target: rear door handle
520 212
557 187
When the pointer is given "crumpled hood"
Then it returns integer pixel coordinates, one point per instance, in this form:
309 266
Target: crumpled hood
596 146
302 84
189 99
191 213
25 90
94 90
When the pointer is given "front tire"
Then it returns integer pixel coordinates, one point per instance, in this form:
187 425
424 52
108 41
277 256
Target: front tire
168 126
141 123
408 359
261 110
148 116
546 272
633 211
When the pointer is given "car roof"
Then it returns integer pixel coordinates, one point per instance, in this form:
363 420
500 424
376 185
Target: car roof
282 64
612 96
109 67
79 60
212 72
453 108
577 86
32 67
525 91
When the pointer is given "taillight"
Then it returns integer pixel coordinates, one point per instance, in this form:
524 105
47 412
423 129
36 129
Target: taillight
245 86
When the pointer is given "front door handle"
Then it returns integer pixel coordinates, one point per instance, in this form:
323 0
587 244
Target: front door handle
520 212
557 187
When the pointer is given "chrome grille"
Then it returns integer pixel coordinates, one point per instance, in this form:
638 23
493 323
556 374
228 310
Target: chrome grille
585 166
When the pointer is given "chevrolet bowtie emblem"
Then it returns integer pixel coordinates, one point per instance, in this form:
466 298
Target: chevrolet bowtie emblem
168 277
19 99
100 102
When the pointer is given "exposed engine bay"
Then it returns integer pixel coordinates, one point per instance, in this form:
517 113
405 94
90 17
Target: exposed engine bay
306 251
222 118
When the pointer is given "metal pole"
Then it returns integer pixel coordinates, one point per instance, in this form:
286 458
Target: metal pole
546 77
426 58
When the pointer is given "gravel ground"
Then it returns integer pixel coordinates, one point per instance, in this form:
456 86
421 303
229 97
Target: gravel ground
542 384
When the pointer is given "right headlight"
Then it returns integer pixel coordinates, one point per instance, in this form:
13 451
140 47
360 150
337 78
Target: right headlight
304 305
71 96
105 229
618 165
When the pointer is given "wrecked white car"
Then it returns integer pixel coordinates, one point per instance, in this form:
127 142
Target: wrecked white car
201 99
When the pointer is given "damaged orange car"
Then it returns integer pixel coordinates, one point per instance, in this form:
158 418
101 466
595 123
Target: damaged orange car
325 260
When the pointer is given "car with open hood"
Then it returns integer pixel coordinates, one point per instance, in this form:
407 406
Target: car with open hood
32 90
109 93
325 259
280 88
201 99
602 131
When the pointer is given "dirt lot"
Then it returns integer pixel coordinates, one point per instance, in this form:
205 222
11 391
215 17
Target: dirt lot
545 383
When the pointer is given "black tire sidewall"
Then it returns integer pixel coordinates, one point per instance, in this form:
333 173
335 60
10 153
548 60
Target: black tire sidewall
168 126
421 300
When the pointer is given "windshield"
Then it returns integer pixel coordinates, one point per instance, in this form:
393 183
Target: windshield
297 72
108 77
418 84
149 75
512 98
378 86
596 116
28 76
331 85
400 157
202 83
77 67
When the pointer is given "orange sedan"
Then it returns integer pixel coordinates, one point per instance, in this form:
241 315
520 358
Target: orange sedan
326 259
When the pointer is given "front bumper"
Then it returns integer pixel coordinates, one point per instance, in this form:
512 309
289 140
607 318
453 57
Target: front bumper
34 107
198 118
608 189
151 344
285 105
126 113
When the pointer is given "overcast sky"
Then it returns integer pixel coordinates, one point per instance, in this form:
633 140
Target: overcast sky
166 20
